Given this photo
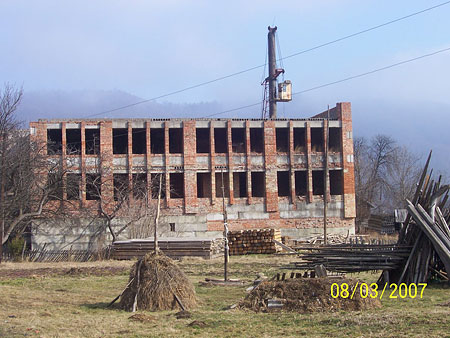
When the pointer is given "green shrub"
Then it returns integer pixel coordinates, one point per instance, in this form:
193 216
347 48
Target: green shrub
16 246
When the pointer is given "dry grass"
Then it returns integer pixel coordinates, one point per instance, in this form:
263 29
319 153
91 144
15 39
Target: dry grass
63 265
157 283
75 306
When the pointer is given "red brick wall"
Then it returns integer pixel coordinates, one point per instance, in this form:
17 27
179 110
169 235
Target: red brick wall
191 204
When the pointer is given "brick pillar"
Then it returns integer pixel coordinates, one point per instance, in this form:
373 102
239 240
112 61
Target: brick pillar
166 162
291 163
248 162
345 115
130 157
325 141
270 163
64 158
230 162
308 162
148 162
190 172
212 162
83 163
106 158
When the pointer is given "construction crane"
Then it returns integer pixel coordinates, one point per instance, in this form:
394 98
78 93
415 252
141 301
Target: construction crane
273 91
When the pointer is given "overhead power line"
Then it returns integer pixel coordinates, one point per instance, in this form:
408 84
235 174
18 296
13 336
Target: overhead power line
317 87
342 80
260 66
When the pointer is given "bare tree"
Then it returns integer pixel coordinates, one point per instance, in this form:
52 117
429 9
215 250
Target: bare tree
31 185
385 175
131 201
400 178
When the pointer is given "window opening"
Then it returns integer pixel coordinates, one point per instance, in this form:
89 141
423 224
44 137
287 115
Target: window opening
157 140
283 183
202 139
256 140
120 141
73 141
54 141
226 184
301 183
139 140
203 185
238 140
299 140
239 184
258 184
317 176
92 139
176 185
282 139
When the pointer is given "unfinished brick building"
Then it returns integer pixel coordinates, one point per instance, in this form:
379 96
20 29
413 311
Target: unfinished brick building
273 170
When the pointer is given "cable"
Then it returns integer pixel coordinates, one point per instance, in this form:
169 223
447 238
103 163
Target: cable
342 80
317 87
373 71
259 66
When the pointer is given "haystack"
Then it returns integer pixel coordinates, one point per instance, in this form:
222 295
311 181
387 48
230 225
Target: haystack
306 295
157 283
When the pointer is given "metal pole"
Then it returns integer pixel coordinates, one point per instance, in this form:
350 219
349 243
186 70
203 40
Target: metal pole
272 73
225 232
325 180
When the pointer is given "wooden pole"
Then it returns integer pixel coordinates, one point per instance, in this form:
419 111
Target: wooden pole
225 233
155 235
325 180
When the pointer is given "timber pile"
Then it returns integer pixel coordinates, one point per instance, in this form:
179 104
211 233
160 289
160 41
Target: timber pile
384 224
426 230
333 239
352 257
256 241
171 247
421 254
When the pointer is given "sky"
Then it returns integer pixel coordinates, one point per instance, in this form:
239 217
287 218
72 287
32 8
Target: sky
150 48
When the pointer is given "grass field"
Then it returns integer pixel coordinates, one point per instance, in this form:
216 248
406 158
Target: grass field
50 300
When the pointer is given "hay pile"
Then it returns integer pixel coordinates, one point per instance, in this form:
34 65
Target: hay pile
157 281
306 295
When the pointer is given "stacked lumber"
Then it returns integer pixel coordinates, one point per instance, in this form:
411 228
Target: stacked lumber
384 224
426 230
173 247
352 257
334 239
256 241
421 254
